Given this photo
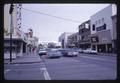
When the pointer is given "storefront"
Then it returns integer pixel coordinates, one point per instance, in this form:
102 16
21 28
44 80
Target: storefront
102 42
18 47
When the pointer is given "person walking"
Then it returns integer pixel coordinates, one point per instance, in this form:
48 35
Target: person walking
33 49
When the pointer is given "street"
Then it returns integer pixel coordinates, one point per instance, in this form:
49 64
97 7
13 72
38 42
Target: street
65 42
83 67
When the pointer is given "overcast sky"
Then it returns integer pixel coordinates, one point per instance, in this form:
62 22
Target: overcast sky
48 28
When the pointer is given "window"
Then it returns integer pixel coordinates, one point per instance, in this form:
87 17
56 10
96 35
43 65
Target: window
86 25
96 23
93 27
82 30
102 20
82 37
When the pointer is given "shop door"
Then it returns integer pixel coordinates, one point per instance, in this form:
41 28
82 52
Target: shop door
102 48
109 47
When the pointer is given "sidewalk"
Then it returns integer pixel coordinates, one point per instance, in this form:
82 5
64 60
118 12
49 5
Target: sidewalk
107 54
26 58
102 54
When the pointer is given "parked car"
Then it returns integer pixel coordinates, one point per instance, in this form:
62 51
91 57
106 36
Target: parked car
93 52
89 50
42 52
54 53
80 51
71 52
63 51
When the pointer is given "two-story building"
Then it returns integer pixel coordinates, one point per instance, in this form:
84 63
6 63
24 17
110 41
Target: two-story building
84 35
32 42
73 40
102 30
18 39
63 38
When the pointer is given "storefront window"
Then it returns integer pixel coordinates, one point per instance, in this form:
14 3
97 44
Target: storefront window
93 27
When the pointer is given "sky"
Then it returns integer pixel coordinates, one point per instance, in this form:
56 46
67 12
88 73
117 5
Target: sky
47 28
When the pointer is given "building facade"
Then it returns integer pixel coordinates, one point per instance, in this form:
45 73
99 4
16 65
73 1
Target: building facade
73 40
32 42
84 35
114 41
18 37
64 39
102 33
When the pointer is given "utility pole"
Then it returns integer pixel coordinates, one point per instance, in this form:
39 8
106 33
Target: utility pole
11 30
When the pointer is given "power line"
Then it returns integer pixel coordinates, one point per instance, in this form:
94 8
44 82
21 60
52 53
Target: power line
51 15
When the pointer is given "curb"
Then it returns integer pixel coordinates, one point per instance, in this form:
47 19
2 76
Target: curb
101 54
22 62
114 55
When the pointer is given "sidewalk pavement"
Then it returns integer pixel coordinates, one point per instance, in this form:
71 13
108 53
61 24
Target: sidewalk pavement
107 54
26 58
104 54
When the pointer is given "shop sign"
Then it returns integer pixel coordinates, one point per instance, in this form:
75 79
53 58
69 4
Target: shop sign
94 39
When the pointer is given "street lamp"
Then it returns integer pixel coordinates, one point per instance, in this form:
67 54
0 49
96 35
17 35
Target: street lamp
11 30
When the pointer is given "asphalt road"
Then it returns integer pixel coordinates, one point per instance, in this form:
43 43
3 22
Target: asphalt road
83 67
23 72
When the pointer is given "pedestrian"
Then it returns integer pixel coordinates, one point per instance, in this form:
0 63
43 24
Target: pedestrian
33 49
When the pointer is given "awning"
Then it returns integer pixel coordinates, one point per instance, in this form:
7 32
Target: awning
14 39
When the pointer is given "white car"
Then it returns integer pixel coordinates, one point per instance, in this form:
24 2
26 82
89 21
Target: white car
86 51
80 51
73 53
90 51
93 51
54 53
42 52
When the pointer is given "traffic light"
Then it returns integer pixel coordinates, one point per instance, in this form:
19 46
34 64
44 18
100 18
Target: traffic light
11 9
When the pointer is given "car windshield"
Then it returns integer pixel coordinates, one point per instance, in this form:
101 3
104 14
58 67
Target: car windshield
53 50
42 50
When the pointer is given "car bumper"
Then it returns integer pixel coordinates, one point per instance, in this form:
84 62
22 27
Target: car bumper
72 54
42 53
